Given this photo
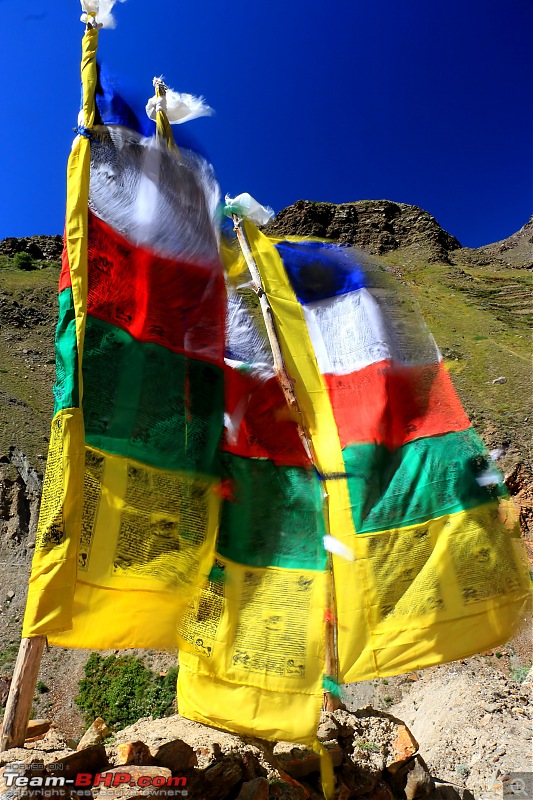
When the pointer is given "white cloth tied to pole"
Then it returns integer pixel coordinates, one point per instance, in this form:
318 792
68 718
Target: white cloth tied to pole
100 11
244 205
178 106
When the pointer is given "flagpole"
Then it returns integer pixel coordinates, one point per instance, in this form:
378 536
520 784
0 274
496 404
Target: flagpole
331 661
20 698
163 127
279 364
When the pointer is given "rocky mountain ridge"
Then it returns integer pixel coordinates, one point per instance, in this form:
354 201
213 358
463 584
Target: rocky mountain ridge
515 250
383 226
378 226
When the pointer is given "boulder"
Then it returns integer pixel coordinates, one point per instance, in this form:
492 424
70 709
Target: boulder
91 760
122 783
94 735
37 728
132 753
176 755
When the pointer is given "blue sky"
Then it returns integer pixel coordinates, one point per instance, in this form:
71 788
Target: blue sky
419 102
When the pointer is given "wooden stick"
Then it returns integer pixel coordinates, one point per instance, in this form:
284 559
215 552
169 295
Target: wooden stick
331 702
163 127
21 691
279 365
331 658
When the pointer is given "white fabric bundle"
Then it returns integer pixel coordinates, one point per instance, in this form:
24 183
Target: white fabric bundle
178 106
245 206
100 10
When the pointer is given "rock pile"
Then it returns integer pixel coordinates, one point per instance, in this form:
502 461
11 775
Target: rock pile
374 754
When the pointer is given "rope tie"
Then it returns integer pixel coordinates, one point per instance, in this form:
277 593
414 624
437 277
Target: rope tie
83 131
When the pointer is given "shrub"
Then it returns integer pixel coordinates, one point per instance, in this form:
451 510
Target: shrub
121 690
520 673
24 261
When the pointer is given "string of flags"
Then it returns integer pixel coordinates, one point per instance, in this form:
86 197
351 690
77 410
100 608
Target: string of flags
288 528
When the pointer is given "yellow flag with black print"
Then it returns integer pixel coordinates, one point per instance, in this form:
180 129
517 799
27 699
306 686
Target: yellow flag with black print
130 504
428 564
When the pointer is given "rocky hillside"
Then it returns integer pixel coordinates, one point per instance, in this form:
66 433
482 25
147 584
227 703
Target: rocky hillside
476 302
381 226
516 250
40 248
378 226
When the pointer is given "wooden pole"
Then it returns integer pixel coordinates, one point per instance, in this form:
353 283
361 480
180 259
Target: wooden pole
331 659
21 691
279 365
331 701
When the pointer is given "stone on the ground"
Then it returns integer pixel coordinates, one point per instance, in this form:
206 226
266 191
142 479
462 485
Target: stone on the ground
91 759
176 755
446 792
419 782
358 780
94 734
132 753
375 756
131 790
225 774
327 730
287 788
404 747
299 762
37 727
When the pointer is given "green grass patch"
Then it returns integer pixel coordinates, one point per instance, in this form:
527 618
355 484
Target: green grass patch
8 656
122 689
23 261
369 747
